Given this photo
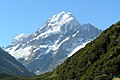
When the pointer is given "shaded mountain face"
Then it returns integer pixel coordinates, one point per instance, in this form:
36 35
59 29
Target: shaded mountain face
9 65
98 60
60 37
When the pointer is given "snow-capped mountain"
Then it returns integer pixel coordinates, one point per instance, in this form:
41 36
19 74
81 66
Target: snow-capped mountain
49 46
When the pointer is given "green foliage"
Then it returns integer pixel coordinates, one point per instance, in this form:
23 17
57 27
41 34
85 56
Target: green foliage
99 60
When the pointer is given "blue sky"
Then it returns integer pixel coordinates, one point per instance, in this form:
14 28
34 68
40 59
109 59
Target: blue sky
26 16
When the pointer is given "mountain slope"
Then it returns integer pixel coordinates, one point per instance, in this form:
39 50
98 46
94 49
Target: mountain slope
98 60
9 65
49 46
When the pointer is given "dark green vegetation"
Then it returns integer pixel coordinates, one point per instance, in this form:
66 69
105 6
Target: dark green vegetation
12 77
99 60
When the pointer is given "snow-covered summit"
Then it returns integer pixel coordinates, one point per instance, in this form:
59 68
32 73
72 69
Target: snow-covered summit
57 21
61 18
51 44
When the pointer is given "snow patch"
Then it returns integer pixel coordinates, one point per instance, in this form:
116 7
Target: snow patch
20 53
75 34
78 48
21 36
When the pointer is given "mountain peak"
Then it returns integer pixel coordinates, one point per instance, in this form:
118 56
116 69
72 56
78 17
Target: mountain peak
59 23
61 18
60 36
